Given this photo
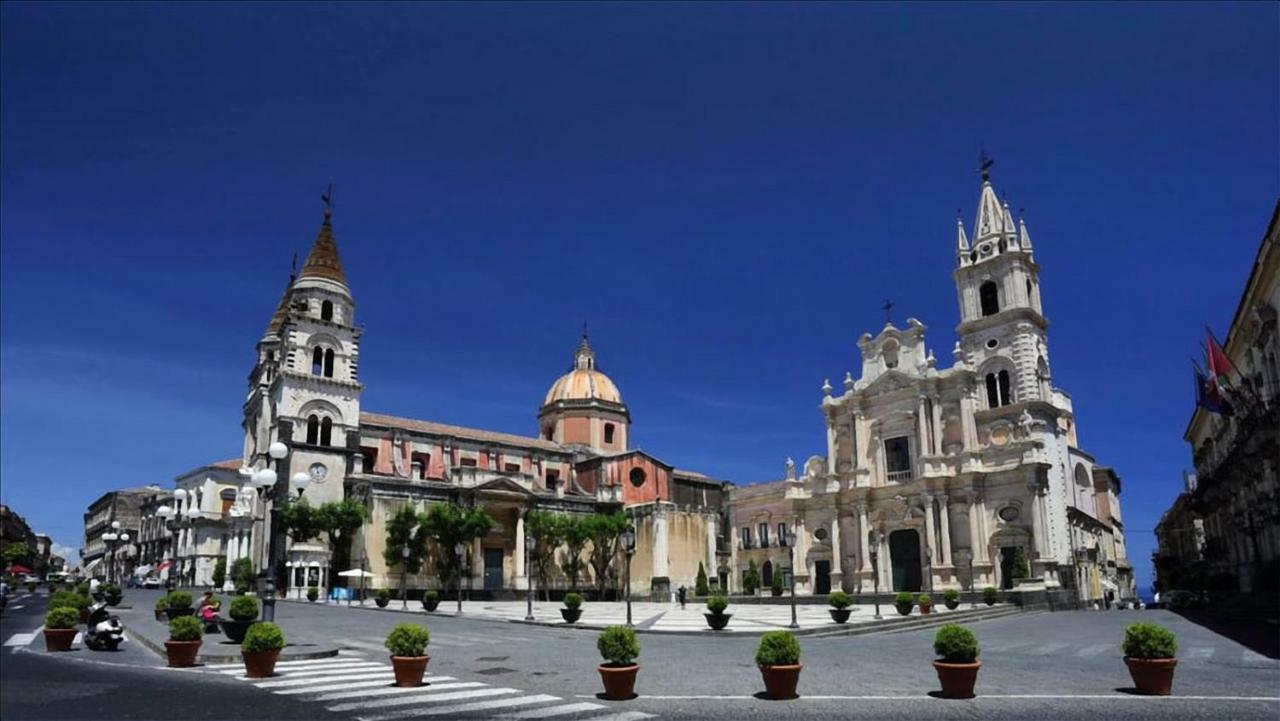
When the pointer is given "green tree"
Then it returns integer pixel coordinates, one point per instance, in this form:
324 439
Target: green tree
776 587
700 586
576 535
604 530
17 553
447 525
340 520
547 530
220 572
405 531
242 574
751 581
298 519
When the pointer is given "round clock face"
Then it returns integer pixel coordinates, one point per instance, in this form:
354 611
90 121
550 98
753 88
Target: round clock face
318 472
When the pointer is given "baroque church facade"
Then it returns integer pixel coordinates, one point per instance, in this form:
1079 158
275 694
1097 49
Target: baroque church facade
305 392
936 474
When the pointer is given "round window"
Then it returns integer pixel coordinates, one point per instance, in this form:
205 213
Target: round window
1008 514
820 534
637 476
993 343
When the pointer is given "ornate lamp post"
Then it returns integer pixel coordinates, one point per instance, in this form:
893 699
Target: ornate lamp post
124 539
877 538
789 540
264 480
530 545
109 540
167 514
460 548
629 547
404 577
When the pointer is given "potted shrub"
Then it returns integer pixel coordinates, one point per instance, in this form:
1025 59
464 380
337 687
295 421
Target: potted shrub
776 587
619 648
112 594
431 600
185 634
903 602
261 649
407 643
990 595
958 663
717 619
243 612
572 610
31 586
926 603
313 593
778 657
382 597
840 603
1149 652
161 604
179 604
951 598
60 628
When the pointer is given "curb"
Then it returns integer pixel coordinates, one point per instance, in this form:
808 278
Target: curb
207 658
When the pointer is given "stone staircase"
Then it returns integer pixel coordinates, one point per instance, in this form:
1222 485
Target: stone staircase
916 621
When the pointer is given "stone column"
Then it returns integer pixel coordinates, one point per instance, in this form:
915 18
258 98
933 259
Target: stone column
937 425
922 427
930 532
518 560
477 564
945 513
864 543
660 545
831 445
860 436
886 565
979 521
968 431
711 546
836 553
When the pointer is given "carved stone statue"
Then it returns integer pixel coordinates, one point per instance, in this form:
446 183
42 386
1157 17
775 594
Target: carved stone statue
1025 420
243 505
397 455
791 469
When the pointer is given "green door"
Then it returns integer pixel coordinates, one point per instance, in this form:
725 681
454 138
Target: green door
904 552
492 568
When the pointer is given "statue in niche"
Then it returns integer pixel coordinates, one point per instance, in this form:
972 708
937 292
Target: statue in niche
243 504
1025 421
397 455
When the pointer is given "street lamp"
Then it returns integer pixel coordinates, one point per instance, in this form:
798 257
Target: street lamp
629 546
877 538
124 538
264 479
789 540
109 539
166 514
530 544
458 549
404 577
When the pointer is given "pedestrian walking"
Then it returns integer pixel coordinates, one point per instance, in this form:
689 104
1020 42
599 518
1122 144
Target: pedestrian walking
681 594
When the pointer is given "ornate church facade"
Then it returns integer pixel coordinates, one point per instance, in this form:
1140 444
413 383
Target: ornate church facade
935 475
305 392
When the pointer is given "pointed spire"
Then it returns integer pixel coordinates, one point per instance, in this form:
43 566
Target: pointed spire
282 310
322 261
1009 227
584 358
962 243
1024 238
990 220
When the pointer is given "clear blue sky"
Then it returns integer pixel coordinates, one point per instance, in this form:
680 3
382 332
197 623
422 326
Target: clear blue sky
726 193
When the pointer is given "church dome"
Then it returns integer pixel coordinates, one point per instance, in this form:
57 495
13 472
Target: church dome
583 382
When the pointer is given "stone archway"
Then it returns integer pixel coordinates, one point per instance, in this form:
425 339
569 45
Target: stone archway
766 574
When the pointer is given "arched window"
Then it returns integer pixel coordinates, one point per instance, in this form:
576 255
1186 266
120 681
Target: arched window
890 353
326 310
326 432
989 295
317 361
1005 396
608 433
1003 245
328 363
1042 375
993 395
1028 292
313 429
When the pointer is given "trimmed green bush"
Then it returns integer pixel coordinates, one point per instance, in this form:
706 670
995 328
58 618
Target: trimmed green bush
68 599
840 599
905 598
925 599
243 608
700 585
751 579
383 594
778 648
179 599
61 617
242 575
431 596
990 594
1021 569
186 628
162 603
263 636
408 639
83 588
717 604
618 645
313 593
955 644
110 589
950 595
219 572
776 587
1148 640
572 601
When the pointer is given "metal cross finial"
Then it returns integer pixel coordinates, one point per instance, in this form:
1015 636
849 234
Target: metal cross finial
888 311
984 164
328 200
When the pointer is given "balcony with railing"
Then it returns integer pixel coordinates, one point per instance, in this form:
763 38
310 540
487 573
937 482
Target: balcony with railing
898 476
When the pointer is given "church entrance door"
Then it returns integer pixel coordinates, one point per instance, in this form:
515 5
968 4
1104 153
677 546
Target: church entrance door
766 574
492 568
904 552
822 578
1006 566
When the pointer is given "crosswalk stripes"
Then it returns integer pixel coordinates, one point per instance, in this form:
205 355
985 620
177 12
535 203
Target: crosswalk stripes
354 684
24 639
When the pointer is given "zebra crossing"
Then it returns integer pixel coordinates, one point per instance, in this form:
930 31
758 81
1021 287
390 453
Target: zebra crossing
352 684
1191 655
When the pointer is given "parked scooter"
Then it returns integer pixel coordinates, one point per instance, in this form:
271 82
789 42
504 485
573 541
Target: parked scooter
104 631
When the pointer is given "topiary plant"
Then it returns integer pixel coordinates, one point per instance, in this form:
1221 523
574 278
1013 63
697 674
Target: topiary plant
383 594
618 646
62 617
925 600
179 599
776 587
110 589
700 585
408 640
83 588
313 593
431 596
717 604
778 648
243 608
263 636
68 599
840 599
1148 640
162 603
572 601
990 595
186 628
751 579
950 595
905 597
955 644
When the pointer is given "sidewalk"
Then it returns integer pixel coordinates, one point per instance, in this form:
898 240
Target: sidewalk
301 642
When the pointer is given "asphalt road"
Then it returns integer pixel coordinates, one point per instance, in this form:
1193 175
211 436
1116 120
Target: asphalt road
1052 666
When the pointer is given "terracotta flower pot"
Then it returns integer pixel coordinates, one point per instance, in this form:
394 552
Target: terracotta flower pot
260 664
59 639
619 681
957 679
717 621
780 681
840 615
182 654
409 670
571 615
1150 675
926 608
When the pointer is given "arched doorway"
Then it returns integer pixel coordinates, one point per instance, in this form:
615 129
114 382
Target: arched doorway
904 553
766 574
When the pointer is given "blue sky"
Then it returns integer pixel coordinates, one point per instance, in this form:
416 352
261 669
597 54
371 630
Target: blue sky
725 193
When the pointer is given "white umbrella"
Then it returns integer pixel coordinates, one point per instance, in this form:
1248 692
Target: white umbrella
356 573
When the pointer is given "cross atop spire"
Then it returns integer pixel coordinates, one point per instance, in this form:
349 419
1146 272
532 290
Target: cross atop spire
984 164
888 311
328 201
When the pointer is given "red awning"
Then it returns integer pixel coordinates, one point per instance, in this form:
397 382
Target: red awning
19 568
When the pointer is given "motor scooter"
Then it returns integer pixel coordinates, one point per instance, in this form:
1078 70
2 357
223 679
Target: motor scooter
104 631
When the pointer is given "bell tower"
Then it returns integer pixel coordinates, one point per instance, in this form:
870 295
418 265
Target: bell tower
1002 328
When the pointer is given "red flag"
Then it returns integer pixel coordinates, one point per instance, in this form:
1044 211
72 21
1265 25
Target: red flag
1219 364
